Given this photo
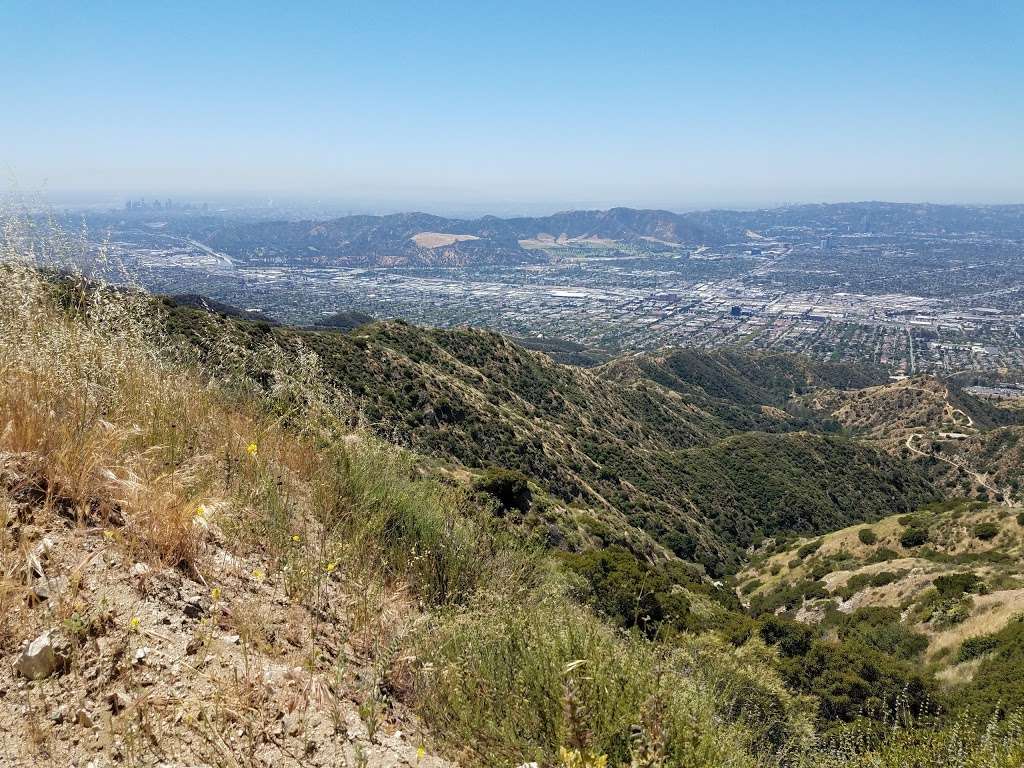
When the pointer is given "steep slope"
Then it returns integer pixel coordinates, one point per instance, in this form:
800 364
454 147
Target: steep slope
199 567
634 446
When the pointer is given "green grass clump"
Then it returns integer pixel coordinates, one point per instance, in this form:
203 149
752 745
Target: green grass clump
414 530
512 682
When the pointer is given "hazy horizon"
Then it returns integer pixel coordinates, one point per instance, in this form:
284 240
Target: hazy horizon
323 207
504 110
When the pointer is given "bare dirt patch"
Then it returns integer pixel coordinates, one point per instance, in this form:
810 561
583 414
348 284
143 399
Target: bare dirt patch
439 239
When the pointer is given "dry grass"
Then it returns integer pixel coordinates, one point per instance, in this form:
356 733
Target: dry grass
106 421
111 433
991 613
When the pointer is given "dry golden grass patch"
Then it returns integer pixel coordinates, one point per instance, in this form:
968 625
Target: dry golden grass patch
991 613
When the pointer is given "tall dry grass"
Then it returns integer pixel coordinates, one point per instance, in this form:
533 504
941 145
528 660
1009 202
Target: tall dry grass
110 421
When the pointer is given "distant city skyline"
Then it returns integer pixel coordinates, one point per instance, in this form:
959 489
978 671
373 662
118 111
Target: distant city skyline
466 108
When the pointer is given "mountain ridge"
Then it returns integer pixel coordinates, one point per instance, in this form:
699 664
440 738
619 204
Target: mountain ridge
390 239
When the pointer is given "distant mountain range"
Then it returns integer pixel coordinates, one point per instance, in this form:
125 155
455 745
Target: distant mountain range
422 239
409 239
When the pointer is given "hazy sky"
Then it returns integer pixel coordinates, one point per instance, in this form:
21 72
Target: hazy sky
429 104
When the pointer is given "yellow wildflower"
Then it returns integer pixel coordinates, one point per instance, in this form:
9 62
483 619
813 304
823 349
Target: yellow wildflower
420 752
251 449
573 758
133 625
215 593
296 538
331 566
257 574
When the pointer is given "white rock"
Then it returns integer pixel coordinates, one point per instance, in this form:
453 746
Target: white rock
43 548
43 656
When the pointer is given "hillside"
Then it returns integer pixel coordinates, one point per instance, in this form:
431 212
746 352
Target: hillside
344 321
966 445
944 586
641 451
416 239
216 307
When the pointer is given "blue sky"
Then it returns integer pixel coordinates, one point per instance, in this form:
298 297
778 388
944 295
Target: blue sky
430 105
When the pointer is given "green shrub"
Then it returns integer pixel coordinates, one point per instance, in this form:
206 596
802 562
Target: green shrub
787 596
509 487
629 592
883 554
750 586
986 531
880 628
854 584
956 584
951 612
997 687
914 537
859 581
882 578
809 548
851 679
867 536
973 647
1020 518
